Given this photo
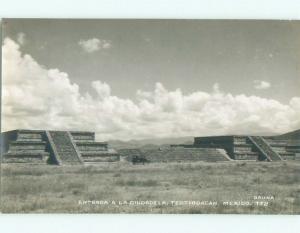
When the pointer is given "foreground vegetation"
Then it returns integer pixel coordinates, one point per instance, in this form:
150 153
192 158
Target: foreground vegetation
92 188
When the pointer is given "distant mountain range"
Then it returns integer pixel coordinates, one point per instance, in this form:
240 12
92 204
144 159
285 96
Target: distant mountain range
162 142
150 143
294 135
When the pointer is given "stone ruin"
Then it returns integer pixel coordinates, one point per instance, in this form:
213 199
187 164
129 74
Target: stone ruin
54 147
79 147
251 148
226 148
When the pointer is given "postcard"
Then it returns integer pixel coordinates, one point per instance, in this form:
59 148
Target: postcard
150 116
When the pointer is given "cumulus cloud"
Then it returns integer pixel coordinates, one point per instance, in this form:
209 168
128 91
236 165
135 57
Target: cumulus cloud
94 44
260 84
35 97
102 89
21 38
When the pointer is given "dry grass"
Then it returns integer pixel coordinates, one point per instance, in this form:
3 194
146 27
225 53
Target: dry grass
49 189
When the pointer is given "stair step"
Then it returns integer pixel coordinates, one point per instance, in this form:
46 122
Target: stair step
98 154
25 160
20 154
27 142
22 157
28 136
65 150
27 152
275 144
293 150
248 153
27 145
287 153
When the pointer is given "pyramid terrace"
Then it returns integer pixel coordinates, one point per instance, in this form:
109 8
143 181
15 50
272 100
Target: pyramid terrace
80 147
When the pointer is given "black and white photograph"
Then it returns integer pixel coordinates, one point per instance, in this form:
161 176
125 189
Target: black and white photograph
156 116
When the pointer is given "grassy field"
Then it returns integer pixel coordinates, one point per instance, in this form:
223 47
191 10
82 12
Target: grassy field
228 187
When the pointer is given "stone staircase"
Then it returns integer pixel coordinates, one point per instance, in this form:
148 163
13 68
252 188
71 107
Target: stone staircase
265 149
63 147
24 146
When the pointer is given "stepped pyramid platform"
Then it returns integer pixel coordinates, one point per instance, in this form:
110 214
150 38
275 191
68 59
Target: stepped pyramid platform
54 147
92 151
255 148
24 146
287 149
237 147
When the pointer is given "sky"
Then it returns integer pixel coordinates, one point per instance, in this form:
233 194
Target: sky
136 79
